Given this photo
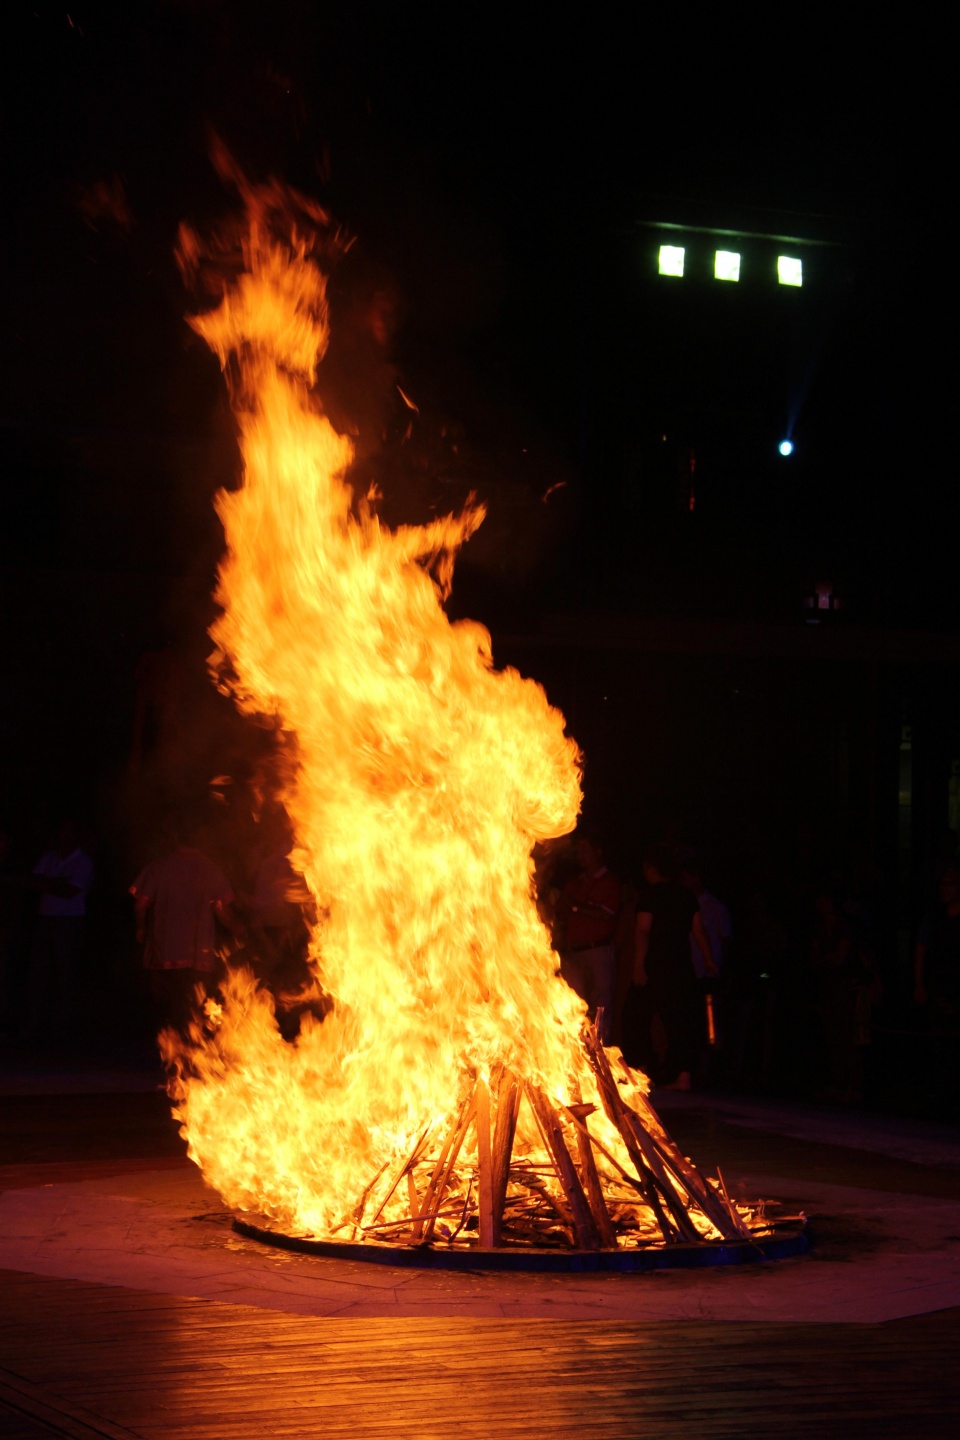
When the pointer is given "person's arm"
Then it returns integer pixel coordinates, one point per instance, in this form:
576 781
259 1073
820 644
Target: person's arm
46 884
919 976
565 902
838 954
594 908
726 935
641 946
702 942
141 905
55 885
231 919
583 905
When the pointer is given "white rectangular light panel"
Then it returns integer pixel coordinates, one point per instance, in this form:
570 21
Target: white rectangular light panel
726 265
671 259
789 270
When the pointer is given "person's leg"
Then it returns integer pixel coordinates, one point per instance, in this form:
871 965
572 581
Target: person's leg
589 967
593 974
603 985
171 990
681 1016
768 1025
635 1023
39 983
187 1003
838 1027
158 997
5 968
571 969
65 949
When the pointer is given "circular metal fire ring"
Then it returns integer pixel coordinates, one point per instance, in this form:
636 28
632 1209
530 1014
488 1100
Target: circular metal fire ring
778 1243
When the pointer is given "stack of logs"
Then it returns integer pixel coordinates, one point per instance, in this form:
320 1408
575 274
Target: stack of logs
655 1204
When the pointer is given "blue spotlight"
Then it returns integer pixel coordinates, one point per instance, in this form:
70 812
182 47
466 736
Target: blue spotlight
785 447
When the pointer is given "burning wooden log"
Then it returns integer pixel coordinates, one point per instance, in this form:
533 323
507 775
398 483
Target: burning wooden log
508 1108
443 1169
657 1188
403 1171
484 1164
591 1178
584 1211
412 1195
587 1234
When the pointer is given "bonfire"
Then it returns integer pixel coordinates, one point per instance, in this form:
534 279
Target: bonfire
449 1090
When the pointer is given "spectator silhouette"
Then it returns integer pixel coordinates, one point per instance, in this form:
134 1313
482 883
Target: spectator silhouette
753 989
588 908
664 988
11 912
715 916
936 962
178 903
842 968
63 876
716 923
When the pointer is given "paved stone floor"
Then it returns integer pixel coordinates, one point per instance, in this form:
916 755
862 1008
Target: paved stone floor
97 1201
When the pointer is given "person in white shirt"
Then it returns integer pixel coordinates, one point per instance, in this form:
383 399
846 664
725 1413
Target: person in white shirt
63 876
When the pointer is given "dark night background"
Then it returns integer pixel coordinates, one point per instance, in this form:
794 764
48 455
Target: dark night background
505 175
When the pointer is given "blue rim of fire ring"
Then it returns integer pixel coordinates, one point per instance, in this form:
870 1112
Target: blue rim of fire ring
780 1243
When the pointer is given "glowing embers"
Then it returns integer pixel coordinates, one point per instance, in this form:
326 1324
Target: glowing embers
671 260
789 270
726 265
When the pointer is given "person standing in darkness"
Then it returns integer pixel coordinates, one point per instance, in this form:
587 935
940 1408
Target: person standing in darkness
589 906
664 981
178 902
936 963
63 876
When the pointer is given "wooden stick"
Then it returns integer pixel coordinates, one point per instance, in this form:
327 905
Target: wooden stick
735 1215
536 1187
588 1236
693 1182
508 1107
410 1160
484 1165
412 1195
647 1164
610 1099
663 1156
588 1169
430 1196
408 1220
463 1213
671 1186
444 1168
631 1180
361 1204
648 1121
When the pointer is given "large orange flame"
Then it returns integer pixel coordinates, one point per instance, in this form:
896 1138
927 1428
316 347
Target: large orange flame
422 779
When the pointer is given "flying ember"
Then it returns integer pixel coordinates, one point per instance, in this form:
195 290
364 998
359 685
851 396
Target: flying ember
447 1090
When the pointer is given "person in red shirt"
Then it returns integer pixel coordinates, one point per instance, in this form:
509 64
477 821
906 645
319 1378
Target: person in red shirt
589 907
179 902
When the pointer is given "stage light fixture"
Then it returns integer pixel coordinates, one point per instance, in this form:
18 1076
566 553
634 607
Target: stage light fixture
789 270
726 265
785 447
671 259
